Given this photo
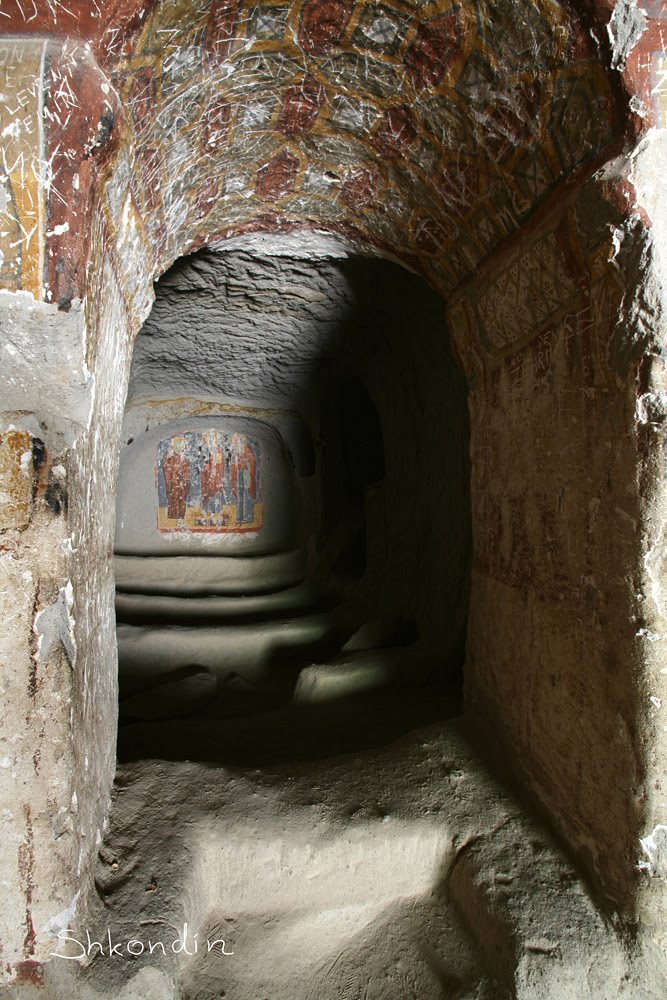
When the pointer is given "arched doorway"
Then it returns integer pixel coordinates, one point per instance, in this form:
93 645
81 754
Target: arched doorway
360 557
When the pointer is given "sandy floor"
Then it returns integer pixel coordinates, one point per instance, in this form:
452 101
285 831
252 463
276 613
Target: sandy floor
354 851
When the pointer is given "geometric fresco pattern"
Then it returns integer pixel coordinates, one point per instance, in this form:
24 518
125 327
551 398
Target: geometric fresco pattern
428 129
431 130
552 290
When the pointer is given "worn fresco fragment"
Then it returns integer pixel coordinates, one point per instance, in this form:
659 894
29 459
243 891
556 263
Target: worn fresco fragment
16 479
208 481
381 98
22 195
659 89
57 117
253 101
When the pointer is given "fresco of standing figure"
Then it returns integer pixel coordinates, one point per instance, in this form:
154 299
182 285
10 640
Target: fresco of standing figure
213 476
176 469
243 478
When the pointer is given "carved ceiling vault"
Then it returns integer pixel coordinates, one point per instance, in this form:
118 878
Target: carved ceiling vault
428 129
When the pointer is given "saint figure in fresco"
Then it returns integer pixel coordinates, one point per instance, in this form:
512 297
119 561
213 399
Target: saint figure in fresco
213 478
176 469
244 479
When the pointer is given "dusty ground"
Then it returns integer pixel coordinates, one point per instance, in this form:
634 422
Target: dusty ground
352 851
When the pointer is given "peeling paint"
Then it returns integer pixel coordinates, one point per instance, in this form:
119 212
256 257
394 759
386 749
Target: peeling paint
651 408
48 365
26 866
628 23
16 487
645 633
61 920
655 848
55 625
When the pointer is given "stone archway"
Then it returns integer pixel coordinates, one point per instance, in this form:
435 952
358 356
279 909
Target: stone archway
367 527
485 147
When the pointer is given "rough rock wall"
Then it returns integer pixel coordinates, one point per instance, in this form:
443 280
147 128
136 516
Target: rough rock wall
54 762
646 313
562 635
62 389
38 654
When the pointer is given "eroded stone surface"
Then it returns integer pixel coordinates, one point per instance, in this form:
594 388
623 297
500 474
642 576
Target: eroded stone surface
355 875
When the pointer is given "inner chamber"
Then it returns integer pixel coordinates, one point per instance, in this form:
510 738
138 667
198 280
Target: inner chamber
293 515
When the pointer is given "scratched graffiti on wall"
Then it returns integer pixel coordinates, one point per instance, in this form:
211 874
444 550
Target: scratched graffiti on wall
659 88
209 481
386 122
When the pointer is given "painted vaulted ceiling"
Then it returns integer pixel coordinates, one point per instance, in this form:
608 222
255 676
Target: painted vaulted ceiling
430 129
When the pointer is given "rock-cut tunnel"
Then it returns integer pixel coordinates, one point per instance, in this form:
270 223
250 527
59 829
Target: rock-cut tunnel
396 417
293 518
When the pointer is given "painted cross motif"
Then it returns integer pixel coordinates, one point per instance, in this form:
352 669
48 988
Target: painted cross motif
382 31
208 481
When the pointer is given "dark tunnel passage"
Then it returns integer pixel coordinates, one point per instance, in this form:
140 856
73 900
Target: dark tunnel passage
293 518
